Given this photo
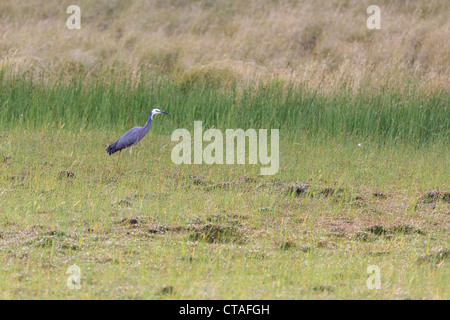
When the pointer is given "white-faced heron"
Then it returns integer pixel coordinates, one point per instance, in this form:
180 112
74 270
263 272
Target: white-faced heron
133 136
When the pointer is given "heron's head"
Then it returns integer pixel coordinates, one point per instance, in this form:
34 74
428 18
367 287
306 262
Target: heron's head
156 111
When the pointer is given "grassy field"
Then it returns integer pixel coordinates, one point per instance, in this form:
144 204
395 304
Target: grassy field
149 229
146 228
364 174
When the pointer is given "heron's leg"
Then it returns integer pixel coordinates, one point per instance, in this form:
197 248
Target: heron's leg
118 157
131 149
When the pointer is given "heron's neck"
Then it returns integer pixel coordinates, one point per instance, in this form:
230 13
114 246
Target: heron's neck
149 123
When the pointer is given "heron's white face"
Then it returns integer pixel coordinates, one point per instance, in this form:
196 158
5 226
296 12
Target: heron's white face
156 111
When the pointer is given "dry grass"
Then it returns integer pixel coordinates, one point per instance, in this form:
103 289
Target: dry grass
315 43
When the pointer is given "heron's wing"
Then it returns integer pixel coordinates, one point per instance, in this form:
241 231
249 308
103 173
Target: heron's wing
129 138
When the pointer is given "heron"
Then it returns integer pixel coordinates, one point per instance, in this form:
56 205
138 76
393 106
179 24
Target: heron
132 136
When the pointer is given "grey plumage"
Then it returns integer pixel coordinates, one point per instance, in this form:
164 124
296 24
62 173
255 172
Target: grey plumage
133 136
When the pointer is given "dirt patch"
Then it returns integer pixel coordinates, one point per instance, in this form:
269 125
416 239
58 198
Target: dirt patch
55 233
434 196
364 236
124 203
220 185
380 230
298 189
379 253
244 180
217 233
17 180
233 220
286 245
166 290
51 239
66 174
217 218
195 220
379 195
161 229
305 190
212 185
326 244
323 288
326 192
436 257
198 181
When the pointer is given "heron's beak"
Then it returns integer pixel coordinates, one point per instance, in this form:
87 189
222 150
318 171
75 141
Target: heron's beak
163 112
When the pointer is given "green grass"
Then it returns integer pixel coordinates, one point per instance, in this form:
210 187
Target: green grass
84 103
146 228
273 244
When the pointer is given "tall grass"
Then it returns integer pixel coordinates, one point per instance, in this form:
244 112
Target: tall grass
79 103
315 43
